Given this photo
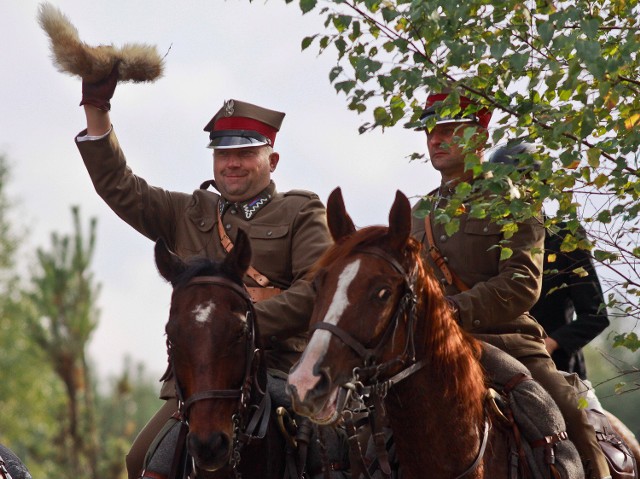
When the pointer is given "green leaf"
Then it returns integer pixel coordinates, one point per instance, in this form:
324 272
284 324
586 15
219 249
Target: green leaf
590 27
545 30
605 256
452 226
518 61
345 86
604 216
505 253
498 49
583 403
581 272
628 340
307 5
307 41
593 157
588 123
601 180
335 73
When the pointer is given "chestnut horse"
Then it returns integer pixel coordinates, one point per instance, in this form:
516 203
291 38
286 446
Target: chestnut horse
382 325
221 381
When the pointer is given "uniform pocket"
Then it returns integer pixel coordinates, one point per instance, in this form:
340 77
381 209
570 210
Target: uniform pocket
481 254
270 250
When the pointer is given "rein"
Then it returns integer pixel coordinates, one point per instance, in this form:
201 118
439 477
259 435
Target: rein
244 430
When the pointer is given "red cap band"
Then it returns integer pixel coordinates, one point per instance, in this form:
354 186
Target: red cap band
242 123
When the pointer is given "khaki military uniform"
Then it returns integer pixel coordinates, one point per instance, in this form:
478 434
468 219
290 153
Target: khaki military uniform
288 232
495 307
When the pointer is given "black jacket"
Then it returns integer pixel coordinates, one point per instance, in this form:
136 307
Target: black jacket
565 292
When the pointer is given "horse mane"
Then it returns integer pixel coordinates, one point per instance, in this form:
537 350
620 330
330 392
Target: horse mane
202 266
453 353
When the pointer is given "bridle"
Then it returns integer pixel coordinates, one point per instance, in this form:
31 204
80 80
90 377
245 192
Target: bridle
371 370
250 422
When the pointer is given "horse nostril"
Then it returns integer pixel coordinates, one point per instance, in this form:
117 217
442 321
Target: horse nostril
324 383
212 452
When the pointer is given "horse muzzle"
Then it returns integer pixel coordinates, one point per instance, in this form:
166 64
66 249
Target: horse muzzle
211 454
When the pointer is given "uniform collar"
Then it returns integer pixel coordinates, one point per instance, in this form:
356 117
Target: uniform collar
250 207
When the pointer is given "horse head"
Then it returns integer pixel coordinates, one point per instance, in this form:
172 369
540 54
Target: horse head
211 338
364 290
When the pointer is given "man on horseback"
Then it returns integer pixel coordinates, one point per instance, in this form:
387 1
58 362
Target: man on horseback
490 296
287 231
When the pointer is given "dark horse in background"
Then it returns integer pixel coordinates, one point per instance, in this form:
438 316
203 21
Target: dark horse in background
11 467
380 318
214 353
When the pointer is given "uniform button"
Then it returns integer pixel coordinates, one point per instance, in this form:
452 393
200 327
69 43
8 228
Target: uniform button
269 233
476 322
446 260
227 226
443 238
485 229
443 280
233 211
202 223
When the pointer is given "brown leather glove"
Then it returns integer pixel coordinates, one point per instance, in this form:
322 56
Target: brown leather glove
99 93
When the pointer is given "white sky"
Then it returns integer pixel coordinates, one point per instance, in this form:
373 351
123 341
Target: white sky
219 50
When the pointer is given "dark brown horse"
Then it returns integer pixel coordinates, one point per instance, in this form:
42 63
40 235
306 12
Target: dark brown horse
214 354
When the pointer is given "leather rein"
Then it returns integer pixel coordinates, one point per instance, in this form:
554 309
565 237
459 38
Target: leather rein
245 430
372 393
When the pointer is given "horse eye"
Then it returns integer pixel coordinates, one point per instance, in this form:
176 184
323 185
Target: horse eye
383 294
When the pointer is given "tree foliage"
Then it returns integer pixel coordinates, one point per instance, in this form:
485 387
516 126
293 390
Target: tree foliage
562 75
27 392
45 330
62 314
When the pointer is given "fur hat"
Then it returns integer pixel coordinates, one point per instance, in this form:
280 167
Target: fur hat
136 62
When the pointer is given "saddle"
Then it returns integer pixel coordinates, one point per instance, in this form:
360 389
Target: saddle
622 464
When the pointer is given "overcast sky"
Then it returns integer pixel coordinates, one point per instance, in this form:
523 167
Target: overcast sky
218 50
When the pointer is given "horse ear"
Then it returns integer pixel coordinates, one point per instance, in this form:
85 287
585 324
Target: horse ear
340 223
169 264
399 221
240 256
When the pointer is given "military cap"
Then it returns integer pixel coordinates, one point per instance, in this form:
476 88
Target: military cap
468 111
239 125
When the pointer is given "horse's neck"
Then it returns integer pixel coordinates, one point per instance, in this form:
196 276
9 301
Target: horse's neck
431 431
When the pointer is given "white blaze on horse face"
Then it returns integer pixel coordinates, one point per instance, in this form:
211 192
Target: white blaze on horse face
302 376
202 312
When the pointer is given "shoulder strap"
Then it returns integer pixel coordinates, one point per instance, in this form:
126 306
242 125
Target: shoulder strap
439 260
227 244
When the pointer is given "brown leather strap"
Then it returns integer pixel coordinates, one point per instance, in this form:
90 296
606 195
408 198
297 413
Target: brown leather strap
258 294
258 277
440 260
